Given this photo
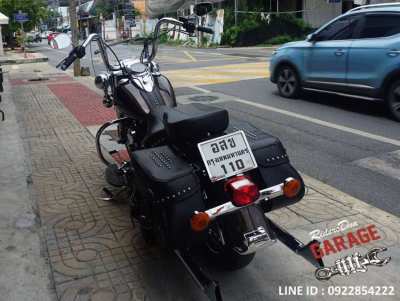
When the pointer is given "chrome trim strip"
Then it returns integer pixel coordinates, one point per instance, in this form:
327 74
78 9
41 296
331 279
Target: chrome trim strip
343 94
325 83
372 6
360 86
339 84
265 195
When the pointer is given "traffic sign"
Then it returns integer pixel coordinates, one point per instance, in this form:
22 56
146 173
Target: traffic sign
131 22
21 17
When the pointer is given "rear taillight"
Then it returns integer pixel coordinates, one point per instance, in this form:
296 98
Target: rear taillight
242 191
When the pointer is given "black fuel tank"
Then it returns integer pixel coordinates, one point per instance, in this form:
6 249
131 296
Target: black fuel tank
134 101
130 101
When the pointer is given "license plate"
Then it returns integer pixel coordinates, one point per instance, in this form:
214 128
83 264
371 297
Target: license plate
227 156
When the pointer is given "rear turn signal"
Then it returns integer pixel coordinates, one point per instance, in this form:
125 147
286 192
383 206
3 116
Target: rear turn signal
291 188
199 221
243 191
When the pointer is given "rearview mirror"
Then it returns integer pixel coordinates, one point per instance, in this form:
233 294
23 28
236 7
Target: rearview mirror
313 37
60 41
202 9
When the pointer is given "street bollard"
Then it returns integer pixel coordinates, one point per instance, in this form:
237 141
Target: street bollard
2 115
1 80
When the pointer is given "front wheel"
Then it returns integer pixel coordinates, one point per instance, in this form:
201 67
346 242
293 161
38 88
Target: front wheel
288 82
393 100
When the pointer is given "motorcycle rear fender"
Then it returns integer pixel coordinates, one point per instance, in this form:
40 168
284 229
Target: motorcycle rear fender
237 225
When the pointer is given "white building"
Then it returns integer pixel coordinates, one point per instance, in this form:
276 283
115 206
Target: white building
3 21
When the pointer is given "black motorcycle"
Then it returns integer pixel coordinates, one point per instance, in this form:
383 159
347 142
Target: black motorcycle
198 179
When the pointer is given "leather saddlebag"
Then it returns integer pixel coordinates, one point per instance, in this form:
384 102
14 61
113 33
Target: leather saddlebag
273 162
175 189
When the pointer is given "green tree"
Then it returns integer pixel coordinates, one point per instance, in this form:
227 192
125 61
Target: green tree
105 8
51 19
35 9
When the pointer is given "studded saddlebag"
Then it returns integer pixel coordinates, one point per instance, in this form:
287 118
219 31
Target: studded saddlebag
273 162
175 188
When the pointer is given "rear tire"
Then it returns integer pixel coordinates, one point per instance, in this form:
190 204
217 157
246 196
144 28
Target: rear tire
224 255
393 100
288 82
230 260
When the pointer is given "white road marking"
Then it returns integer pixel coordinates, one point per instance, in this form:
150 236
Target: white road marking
191 57
200 89
314 120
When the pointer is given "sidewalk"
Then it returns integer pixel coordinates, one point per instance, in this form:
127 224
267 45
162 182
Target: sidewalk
95 254
17 57
23 262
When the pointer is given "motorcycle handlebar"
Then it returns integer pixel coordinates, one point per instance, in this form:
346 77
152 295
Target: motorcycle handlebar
122 42
65 63
77 52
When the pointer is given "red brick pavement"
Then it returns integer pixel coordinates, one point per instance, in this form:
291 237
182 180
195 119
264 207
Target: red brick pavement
83 103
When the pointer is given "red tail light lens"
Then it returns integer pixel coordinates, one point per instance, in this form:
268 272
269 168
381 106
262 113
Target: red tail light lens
243 191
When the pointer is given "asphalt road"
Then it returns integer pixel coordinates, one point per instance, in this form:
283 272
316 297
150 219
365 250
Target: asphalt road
346 143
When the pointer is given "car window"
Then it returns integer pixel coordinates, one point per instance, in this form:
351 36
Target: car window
341 29
377 26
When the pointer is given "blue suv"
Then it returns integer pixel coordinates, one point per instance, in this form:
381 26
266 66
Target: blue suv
357 54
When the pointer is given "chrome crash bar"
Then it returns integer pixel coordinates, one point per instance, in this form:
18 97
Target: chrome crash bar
265 195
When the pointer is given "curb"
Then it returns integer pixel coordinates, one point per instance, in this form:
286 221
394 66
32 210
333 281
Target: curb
23 61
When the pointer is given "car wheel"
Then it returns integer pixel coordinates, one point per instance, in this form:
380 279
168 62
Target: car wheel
393 100
288 82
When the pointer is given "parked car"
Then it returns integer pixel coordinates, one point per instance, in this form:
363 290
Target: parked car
33 36
357 54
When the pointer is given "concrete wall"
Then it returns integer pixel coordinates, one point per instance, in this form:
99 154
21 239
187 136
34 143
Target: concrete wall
318 12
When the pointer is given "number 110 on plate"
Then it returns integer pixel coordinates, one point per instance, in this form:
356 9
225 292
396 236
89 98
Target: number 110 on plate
227 156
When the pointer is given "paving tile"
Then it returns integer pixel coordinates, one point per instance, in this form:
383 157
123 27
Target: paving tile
317 207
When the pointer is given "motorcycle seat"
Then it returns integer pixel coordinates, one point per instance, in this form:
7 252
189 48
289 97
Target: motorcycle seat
187 122
195 121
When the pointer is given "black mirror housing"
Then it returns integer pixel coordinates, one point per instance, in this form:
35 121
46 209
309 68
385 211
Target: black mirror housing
202 9
313 37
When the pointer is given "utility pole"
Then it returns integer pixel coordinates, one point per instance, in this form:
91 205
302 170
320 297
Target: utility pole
236 12
75 34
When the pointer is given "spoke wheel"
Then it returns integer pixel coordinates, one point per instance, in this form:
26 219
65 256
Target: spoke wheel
393 100
288 82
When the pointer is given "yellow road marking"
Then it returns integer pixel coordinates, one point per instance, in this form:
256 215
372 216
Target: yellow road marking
190 56
217 74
